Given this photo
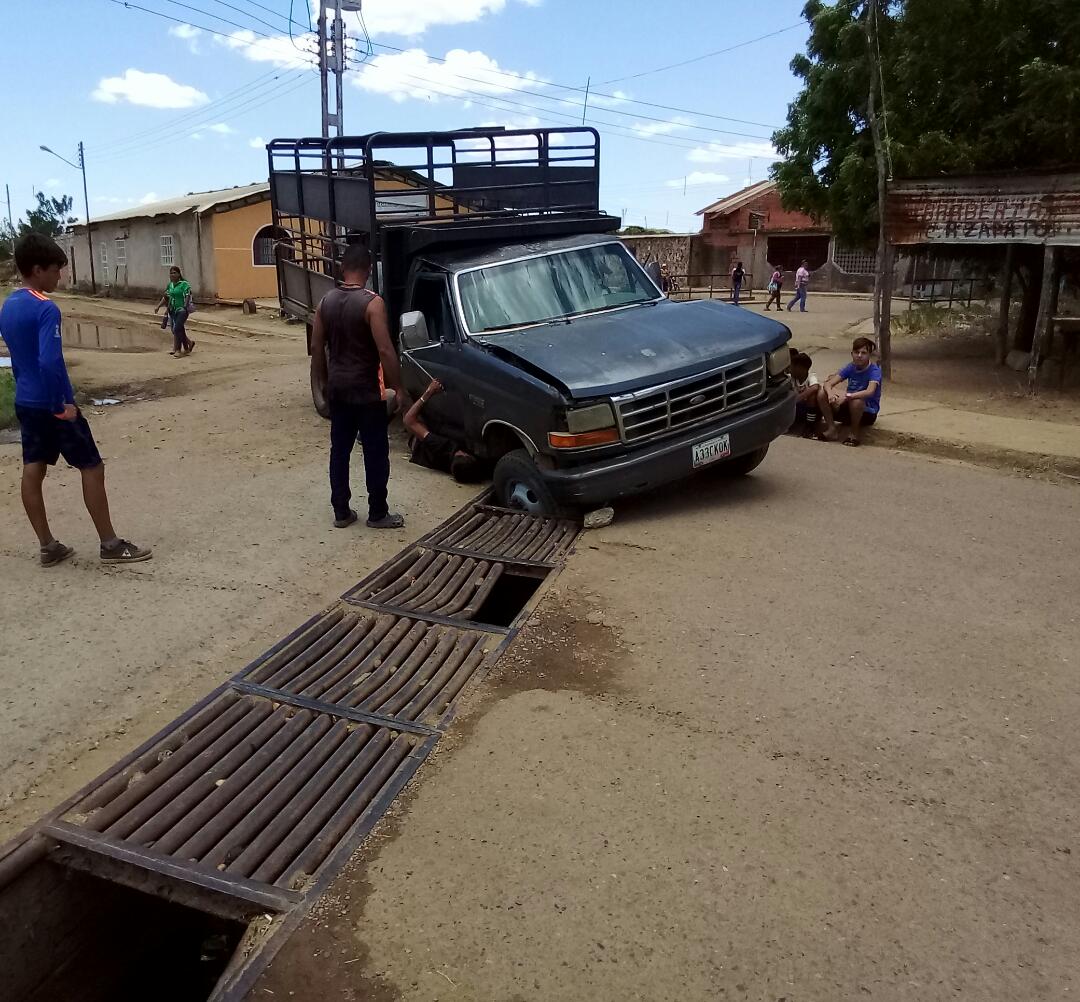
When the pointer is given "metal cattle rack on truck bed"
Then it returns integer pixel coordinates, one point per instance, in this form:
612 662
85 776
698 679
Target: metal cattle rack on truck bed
402 192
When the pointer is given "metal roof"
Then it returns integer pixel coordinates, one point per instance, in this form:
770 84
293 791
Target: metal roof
729 203
193 201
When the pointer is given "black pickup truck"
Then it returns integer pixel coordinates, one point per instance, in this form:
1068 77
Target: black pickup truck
563 363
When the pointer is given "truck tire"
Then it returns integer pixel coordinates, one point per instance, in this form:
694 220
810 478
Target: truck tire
518 485
744 464
318 395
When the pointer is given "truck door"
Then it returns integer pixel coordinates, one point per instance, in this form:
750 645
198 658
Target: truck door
440 359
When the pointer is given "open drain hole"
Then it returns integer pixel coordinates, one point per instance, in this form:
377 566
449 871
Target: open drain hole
509 596
74 937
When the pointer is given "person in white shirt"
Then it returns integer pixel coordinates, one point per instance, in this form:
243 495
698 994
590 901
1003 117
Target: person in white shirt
806 394
802 279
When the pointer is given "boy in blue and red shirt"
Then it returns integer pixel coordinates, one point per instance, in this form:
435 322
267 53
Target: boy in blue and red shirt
857 406
52 426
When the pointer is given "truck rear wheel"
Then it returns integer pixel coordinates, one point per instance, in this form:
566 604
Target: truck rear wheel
744 464
518 485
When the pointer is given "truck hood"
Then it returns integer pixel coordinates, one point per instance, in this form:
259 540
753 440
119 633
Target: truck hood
610 353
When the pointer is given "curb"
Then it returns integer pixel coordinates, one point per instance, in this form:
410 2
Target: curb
1044 465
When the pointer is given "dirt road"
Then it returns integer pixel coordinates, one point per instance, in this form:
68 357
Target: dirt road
219 463
809 736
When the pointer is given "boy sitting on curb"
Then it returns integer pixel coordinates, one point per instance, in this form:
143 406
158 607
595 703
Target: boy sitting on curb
858 406
807 385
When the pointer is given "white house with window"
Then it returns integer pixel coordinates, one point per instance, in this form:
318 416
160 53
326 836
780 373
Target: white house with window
222 242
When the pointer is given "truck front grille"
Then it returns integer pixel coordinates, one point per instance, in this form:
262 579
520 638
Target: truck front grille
658 410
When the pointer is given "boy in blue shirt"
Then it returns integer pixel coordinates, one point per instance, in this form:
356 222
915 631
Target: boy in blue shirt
52 426
858 406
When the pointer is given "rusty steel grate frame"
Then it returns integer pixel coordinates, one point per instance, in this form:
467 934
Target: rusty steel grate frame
253 800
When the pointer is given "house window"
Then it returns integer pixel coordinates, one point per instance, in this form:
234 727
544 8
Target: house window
104 254
121 251
168 257
854 260
264 246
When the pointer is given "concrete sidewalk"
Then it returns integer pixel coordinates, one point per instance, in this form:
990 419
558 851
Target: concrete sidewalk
1019 443
1028 445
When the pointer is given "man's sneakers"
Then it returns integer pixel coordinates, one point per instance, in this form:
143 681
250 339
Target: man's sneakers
55 553
391 520
123 551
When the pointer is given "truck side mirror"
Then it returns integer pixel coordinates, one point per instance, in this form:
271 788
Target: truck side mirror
414 331
652 269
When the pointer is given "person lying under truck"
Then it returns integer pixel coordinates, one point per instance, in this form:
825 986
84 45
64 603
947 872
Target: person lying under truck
435 451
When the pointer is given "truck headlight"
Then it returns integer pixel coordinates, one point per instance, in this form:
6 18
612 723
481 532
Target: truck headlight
585 426
779 361
592 418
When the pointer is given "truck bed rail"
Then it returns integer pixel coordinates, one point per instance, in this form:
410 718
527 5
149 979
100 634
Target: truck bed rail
423 188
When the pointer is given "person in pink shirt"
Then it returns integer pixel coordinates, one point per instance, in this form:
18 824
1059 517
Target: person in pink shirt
802 279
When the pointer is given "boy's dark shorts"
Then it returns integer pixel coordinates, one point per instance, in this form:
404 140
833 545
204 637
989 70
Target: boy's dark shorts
46 438
843 416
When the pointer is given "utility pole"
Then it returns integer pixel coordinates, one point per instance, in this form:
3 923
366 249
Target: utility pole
81 166
882 273
331 39
11 224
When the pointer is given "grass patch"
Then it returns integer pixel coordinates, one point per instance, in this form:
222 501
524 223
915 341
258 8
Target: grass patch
7 398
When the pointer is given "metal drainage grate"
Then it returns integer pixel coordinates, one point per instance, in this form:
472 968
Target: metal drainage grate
254 799
509 535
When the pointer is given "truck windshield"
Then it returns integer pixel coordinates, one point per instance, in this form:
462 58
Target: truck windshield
552 287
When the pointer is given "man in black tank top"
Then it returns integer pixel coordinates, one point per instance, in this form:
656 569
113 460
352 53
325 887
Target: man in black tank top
349 340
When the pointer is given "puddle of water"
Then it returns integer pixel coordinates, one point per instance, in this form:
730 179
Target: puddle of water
104 337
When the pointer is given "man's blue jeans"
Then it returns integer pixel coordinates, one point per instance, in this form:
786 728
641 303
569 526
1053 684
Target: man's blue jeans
800 298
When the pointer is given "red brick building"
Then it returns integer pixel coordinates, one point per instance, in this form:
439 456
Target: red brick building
752 226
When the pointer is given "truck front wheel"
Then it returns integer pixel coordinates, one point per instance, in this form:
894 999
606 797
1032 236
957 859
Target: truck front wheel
518 485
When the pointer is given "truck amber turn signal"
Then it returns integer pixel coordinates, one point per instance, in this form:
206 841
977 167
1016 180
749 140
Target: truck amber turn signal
568 440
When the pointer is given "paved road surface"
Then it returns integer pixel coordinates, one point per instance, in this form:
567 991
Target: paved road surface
810 736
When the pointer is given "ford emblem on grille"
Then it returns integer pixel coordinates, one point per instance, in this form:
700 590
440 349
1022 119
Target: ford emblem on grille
699 399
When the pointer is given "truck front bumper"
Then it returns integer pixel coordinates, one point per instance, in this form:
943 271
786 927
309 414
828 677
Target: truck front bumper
664 462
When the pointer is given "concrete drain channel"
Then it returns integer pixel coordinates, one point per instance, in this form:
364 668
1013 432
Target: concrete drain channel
179 872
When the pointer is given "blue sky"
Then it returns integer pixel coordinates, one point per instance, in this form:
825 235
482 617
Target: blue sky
165 108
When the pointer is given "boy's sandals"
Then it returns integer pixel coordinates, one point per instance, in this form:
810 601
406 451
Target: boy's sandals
827 436
190 347
391 520
123 551
344 523
55 553
851 441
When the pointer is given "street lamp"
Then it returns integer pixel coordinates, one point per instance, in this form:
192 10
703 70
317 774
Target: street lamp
81 166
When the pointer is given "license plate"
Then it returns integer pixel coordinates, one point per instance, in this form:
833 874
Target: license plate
709 452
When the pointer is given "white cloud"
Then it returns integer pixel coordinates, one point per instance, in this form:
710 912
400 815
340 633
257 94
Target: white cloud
196 135
52 184
698 177
713 153
151 90
187 33
257 143
609 101
661 128
413 74
221 129
150 196
113 200
281 51
414 17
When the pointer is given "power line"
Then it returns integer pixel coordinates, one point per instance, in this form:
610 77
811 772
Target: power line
594 93
226 99
276 93
615 111
707 55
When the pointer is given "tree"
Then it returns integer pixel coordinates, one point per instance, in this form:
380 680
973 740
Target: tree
965 85
50 217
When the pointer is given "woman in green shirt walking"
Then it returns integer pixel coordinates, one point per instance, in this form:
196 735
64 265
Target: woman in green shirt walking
177 301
